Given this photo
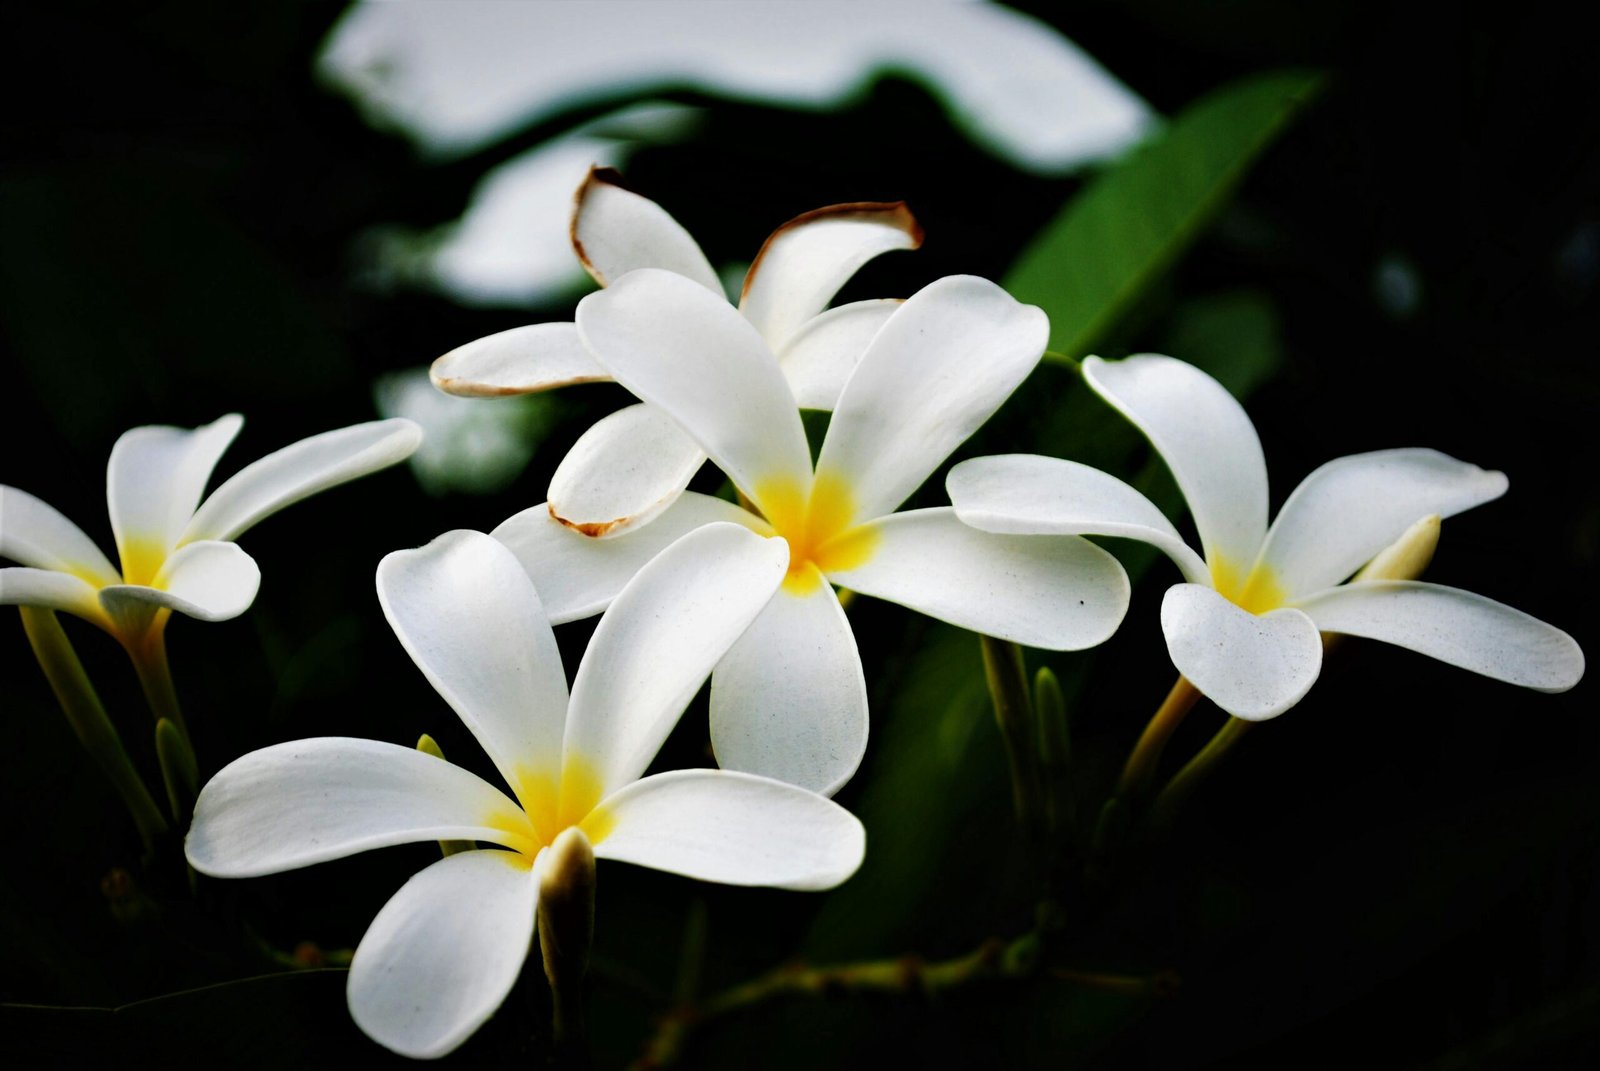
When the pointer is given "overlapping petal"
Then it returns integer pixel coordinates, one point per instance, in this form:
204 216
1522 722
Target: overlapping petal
1059 593
24 586
444 952
615 231
734 828
1254 666
35 533
1454 626
210 581
154 482
822 353
623 471
789 700
523 360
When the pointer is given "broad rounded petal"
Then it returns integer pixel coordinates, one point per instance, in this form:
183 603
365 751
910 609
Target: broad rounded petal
469 617
522 360
1060 593
805 262
789 700
936 371
308 801
35 533
53 591
658 641
444 952
691 355
286 476
734 828
1025 494
1254 666
1453 626
577 576
614 231
623 471
1207 441
1351 508
154 482
210 581
821 354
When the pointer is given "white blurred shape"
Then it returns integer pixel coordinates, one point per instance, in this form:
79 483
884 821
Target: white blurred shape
473 445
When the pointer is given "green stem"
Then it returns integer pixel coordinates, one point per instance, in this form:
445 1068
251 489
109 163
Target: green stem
1061 359
149 653
1197 769
1007 676
88 719
1146 754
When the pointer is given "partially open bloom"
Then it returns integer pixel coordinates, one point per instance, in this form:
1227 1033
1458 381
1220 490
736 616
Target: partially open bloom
789 700
633 464
444 952
1245 626
176 552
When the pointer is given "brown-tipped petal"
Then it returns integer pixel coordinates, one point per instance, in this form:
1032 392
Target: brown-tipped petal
624 470
523 360
614 231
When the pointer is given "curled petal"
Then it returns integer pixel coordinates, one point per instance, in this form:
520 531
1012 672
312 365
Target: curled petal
35 533
1254 666
209 580
614 231
623 471
154 482
1453 626
523 360
734 828
443 953
53 591
821 354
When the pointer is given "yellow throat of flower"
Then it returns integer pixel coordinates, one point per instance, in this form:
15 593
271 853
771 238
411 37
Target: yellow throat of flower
818 529
142 559
1258 592
553 801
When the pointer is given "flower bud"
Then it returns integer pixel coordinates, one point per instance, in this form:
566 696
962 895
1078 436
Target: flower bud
428 746
566 926
1406 557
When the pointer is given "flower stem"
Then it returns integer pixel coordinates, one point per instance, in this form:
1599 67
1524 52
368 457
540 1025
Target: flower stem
1197 770
1146 754
88 719
149 654
1013 710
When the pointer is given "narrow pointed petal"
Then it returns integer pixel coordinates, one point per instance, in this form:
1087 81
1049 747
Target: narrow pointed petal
822 352
733 828
614 231
1207 441
469 617
209 580
658 642
523 360
1060 593
299 471
623 471
309 801
1351 508
444 952
1025 494
805 262
1453 626
577 576
35 533
789 700
1254 666
690 354
154 482
53 591
936 371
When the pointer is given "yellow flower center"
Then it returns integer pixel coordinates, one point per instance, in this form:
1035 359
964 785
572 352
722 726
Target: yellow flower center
818 529
552 802
142 559
1258 592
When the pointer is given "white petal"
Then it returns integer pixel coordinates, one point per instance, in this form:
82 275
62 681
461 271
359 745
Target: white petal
658 641
1061 593
789 699
1351 508
209 580
805 262
444 952
1453 626
939 368
734 828
154 482
577 576
469 617
821 354
519 361
286 476
623 471
690 354
308 801
1254 666
51 590
615 231
35 533
1207 441
1025 494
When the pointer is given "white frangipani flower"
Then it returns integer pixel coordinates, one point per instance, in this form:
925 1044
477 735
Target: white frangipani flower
176 552
1245 626
633 464
789 700
442 955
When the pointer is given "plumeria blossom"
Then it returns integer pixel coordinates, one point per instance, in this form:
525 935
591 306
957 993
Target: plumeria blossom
442 955
1245 625
176 552
633 464
789 699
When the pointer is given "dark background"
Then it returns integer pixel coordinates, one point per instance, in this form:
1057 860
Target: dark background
1400 872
